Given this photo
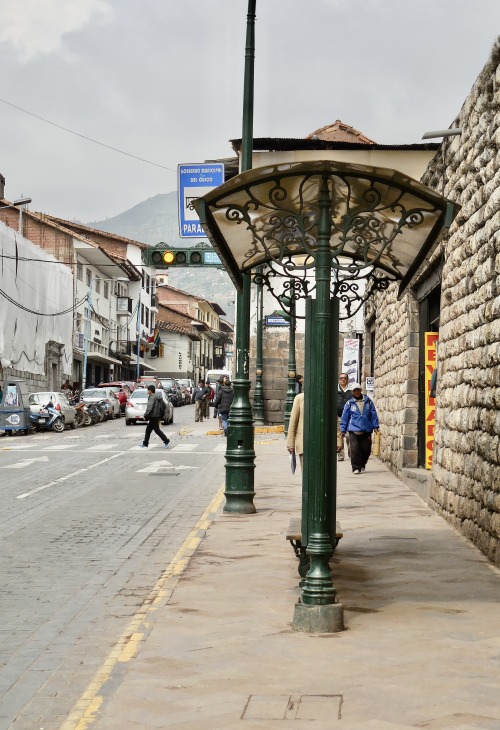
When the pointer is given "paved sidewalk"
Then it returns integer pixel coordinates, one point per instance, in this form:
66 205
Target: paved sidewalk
422 640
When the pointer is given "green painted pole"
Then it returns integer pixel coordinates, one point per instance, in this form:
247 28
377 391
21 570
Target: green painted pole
290 391
240 453
318 610
258 397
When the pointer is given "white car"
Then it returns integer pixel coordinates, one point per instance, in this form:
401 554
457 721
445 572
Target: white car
112 404
38 400
136 406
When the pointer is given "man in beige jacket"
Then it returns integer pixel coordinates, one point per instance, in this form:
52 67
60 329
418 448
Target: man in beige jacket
295 439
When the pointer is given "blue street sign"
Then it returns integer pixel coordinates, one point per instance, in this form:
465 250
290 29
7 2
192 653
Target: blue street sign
275 321
194 181
210 257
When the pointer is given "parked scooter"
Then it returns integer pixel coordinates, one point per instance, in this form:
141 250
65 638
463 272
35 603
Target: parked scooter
81 416
47 419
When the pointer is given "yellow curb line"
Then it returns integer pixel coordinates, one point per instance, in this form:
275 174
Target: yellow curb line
86 708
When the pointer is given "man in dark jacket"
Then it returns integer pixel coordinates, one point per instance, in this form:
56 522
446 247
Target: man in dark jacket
155 410
223 402
200 395
343 395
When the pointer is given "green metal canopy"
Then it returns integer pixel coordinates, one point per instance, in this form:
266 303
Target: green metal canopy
381 219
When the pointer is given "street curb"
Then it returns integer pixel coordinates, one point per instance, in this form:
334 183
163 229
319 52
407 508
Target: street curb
257 429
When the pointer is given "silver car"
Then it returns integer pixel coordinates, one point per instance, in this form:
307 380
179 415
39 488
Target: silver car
112 404
136 406
38 400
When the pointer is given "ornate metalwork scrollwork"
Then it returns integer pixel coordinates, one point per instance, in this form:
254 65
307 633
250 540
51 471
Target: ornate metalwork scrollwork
367 216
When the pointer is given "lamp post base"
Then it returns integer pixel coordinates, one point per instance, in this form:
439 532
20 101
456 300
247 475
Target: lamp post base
239 503
327 619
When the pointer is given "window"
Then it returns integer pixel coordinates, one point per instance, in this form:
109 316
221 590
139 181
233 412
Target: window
98 286
89 277
79 272
106 289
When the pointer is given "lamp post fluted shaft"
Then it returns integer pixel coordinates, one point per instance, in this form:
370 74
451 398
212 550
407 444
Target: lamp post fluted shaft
290 391
240 454
318 609
258 398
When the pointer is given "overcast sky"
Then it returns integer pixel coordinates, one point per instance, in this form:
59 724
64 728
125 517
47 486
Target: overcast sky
162 80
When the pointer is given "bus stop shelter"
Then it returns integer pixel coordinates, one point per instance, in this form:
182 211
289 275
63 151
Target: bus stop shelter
339 232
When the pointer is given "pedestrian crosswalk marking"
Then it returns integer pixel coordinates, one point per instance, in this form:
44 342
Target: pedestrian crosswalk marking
221 447
101 447
58 447
184 447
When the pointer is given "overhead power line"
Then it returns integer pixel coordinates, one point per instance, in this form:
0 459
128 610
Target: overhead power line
83 136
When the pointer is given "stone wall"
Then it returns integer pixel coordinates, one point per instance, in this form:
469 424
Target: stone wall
275 380
396 376
466 471
465 484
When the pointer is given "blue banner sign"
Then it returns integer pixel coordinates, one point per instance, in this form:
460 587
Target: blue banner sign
194 181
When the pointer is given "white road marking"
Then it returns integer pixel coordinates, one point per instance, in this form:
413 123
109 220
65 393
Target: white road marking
221 447
101 447
59 447
139 448
17 447
25 462
155 466
68 476
184 447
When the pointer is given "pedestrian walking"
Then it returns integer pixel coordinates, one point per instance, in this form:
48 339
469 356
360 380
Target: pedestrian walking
217 388
343 395
200 395
223 402
295 436
209 399
359 420
299 381
155 411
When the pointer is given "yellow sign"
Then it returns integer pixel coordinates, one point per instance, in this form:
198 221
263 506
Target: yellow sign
431 339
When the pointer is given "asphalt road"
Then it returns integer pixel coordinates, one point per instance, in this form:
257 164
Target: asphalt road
88 523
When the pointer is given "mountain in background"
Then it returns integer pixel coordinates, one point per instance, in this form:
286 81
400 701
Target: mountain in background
156 220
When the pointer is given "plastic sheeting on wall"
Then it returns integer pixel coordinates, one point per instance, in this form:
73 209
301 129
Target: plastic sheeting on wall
44 288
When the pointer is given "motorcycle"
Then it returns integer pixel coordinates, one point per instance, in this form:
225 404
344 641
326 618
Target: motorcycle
82 417
47 419
96 415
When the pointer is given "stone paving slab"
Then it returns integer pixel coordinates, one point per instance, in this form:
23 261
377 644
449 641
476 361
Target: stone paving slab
421 646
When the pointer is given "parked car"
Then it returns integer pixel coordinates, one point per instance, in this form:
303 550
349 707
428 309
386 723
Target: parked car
188 385
146 380
212 377
172 388
120 389
112 404
136 406
38 400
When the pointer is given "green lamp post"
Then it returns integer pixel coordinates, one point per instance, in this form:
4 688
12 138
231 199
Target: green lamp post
258 398
240 454
291 372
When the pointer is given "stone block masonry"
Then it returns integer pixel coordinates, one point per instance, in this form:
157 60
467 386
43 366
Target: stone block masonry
465 483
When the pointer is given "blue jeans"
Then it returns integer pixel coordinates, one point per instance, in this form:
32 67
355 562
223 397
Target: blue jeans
224 417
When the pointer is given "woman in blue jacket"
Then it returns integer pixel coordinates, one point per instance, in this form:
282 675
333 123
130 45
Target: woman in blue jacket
359 420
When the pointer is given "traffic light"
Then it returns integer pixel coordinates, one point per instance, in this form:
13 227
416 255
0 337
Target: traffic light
163 257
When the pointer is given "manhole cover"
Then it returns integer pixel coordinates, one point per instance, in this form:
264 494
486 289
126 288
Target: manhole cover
290 707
